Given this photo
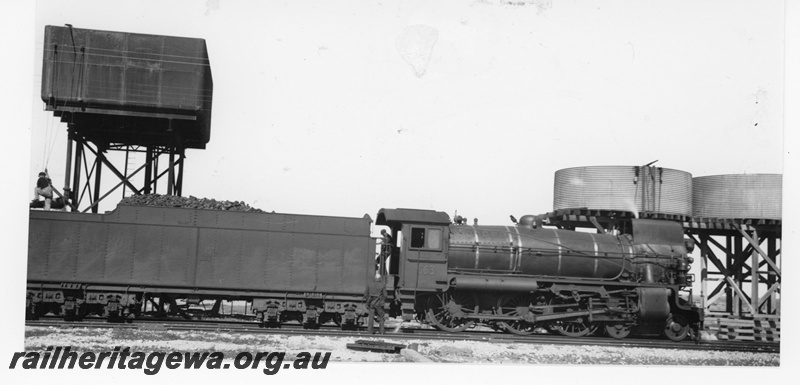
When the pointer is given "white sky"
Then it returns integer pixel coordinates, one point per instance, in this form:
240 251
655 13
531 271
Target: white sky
317 112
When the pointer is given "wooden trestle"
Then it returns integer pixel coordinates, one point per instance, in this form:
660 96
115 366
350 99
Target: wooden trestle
743 278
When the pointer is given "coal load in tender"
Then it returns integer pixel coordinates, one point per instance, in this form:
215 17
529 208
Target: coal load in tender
188 202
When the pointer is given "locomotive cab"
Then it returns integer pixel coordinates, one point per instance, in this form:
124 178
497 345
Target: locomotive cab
418 261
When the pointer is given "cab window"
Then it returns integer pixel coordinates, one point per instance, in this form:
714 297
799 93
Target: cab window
426 238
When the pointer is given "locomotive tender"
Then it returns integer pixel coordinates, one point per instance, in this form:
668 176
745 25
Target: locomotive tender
317 269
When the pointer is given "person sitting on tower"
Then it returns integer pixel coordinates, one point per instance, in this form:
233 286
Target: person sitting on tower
43 189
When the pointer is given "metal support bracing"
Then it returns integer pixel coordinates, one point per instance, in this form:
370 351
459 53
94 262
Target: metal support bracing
171 168
148 172
94 205
76 182
114 170
179 182
127 162
92 186
87 188
154 181
100 157
161 175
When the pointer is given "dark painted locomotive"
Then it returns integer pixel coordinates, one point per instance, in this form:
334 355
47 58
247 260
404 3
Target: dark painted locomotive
526 278
314 269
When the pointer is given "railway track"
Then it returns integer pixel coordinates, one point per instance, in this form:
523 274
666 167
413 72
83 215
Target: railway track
414 334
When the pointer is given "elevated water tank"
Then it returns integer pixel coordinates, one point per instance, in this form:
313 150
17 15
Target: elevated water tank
624 188
130 88
746 196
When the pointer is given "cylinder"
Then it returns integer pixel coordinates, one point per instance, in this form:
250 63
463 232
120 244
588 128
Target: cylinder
743 196
653 303
624 188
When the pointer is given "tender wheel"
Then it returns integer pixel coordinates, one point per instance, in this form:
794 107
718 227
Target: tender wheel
570 327
676 328
335 318
618 331
518 305
446 311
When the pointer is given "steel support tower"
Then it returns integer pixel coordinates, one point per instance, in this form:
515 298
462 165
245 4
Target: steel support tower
88 158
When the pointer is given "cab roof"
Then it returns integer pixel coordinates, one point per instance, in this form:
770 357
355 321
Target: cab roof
386 216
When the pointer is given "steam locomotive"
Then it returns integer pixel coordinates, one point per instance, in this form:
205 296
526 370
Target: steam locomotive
523 279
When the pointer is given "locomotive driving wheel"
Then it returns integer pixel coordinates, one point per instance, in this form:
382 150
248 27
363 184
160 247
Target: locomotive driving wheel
446 311
676 328
578 326
519 305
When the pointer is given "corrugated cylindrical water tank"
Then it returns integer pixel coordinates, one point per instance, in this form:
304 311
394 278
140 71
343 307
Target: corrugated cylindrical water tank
624 188
746 196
